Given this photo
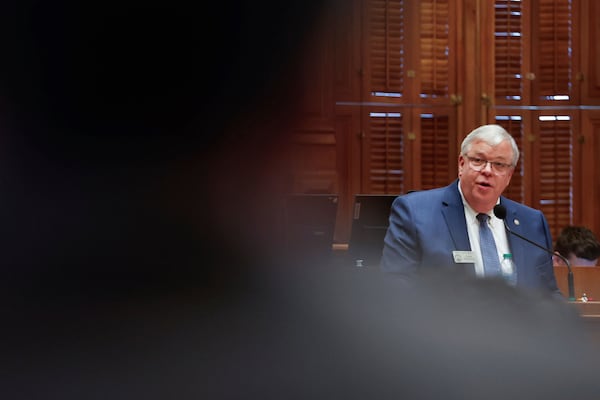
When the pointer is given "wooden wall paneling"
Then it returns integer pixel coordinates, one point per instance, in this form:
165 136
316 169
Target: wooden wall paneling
412 151
595 182
364 48
353 159
483 92
528 158
579 53
590 41
346 22
364 142
468 40
346 27
346 126
590 171
314 87
578 166
313 144
313 164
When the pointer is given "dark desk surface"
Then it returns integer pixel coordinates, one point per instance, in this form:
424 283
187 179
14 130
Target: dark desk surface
590 309
590 313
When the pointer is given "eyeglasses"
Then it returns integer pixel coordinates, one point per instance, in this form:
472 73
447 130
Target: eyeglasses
479 164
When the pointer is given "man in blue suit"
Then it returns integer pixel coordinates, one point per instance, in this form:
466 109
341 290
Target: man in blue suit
440 228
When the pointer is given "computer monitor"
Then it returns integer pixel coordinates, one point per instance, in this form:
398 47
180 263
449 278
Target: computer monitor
369 225
309 222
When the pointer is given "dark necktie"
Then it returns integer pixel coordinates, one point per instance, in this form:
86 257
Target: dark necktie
491 263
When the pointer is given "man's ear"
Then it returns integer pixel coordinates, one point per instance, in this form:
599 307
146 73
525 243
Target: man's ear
557 261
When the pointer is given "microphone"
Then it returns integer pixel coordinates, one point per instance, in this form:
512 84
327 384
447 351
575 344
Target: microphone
500 212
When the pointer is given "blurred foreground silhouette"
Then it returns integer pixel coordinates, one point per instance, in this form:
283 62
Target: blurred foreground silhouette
140 155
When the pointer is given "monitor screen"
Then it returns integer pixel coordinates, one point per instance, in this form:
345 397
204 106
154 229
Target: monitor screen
369 225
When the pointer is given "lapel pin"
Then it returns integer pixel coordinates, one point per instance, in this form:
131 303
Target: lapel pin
517 222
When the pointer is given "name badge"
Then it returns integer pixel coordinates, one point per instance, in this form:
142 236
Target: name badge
463 257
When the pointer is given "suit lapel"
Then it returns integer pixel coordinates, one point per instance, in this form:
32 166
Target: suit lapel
454 215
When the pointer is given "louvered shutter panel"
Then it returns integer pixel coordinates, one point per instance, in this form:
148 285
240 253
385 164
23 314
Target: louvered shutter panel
508 83
434 131
382 149
386 36
385 152
552 54
508 49
555 146
435 44
436 166
429 163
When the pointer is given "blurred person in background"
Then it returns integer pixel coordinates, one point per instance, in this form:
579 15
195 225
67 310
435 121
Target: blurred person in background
579 245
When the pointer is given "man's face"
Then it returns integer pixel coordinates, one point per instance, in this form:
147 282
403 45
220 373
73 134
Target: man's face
482 188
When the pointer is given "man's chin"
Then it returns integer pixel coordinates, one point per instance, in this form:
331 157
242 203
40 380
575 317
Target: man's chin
484 203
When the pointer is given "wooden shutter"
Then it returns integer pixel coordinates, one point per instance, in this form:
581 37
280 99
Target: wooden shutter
508 46
435 161
555 171
552 51
439 163
389 162
434 49
382 138
385 151
386 53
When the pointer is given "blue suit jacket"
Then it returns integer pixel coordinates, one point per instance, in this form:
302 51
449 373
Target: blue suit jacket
427 226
